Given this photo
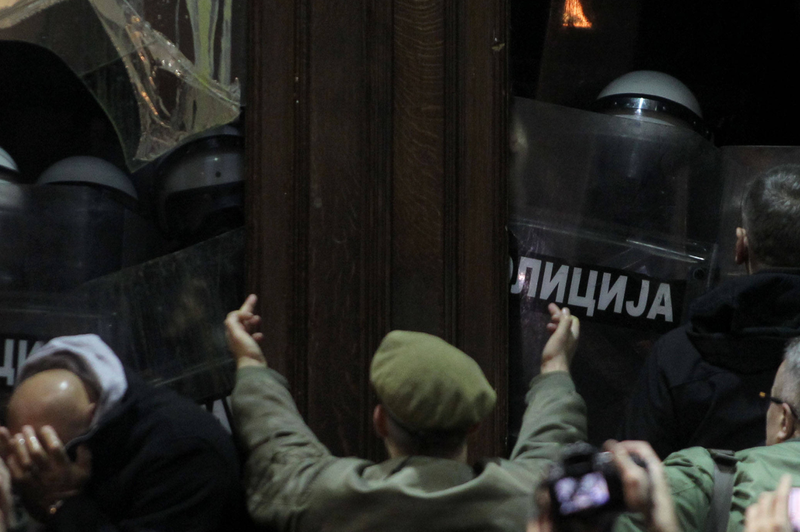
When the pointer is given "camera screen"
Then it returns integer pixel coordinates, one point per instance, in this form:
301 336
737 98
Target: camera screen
577 494
794 508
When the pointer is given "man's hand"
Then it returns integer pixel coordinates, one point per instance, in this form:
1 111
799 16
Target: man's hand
41 469
565 328
645 490
771 512
242 342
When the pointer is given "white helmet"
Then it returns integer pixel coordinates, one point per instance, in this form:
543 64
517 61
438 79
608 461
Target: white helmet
8 168
200 186
86 170
653 97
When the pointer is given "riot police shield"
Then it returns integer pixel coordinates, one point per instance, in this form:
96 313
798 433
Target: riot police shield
615 218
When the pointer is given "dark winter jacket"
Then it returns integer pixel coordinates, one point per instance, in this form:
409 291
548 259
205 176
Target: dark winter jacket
161 463
701 384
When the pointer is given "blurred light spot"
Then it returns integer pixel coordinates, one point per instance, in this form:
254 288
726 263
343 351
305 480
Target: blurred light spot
573 15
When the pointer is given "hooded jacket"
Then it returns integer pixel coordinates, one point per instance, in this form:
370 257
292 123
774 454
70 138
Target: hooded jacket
701 385
159 462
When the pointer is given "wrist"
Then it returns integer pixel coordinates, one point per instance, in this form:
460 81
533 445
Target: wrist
554 364
246 362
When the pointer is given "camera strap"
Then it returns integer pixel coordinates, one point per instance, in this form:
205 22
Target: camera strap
719 509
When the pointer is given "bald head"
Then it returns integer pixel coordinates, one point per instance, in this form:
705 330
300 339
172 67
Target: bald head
55 397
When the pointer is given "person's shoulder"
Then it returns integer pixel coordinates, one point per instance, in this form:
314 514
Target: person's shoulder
762 454
689 457
690 469
163 415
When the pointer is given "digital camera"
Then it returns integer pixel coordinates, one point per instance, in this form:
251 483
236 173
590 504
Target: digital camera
586 482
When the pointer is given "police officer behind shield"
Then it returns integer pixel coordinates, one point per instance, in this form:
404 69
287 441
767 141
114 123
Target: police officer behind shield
704 383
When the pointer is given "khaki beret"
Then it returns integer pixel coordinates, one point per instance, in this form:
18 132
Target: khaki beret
427 384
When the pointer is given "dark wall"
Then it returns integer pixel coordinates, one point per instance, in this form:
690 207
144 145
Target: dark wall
736 57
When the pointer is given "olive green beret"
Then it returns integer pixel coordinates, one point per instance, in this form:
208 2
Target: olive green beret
427 384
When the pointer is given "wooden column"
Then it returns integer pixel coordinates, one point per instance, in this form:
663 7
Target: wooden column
376 142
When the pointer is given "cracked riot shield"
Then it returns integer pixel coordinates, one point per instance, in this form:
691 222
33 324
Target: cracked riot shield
74 260
65 269
163 70
617 219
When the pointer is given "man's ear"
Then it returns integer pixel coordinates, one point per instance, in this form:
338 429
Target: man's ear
742 250
788 424
379 421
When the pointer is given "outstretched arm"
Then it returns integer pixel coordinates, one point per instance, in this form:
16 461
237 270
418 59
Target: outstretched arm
556 414
283 454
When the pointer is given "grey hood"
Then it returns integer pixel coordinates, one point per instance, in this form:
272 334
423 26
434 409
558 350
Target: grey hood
97 356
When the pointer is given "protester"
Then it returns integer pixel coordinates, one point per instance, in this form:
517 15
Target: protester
432 396
90 446
698 476
644 489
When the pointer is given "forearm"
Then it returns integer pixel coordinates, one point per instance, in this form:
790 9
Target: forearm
683 502
663 519
555 416
284 455
265 414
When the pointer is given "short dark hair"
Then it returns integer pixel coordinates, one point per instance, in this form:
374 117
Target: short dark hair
771 216
791 376
66 361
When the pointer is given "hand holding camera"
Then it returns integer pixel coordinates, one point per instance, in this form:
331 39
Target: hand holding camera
593 486
647 491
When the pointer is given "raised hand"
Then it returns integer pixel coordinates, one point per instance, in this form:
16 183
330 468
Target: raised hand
560 348
242 341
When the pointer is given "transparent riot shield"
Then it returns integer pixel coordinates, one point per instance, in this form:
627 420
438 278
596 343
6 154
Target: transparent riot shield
163 70
70 264
73 258
617 219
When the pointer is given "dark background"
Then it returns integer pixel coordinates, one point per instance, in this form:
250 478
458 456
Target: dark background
736 57
47 114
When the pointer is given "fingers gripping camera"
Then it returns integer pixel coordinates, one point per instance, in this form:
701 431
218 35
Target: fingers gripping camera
586 483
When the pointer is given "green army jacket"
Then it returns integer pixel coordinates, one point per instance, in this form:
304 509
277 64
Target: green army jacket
690 473
293 482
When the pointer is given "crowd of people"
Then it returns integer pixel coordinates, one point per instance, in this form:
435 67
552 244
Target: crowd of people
711 440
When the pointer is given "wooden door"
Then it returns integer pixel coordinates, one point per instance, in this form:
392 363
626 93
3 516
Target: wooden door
376 194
